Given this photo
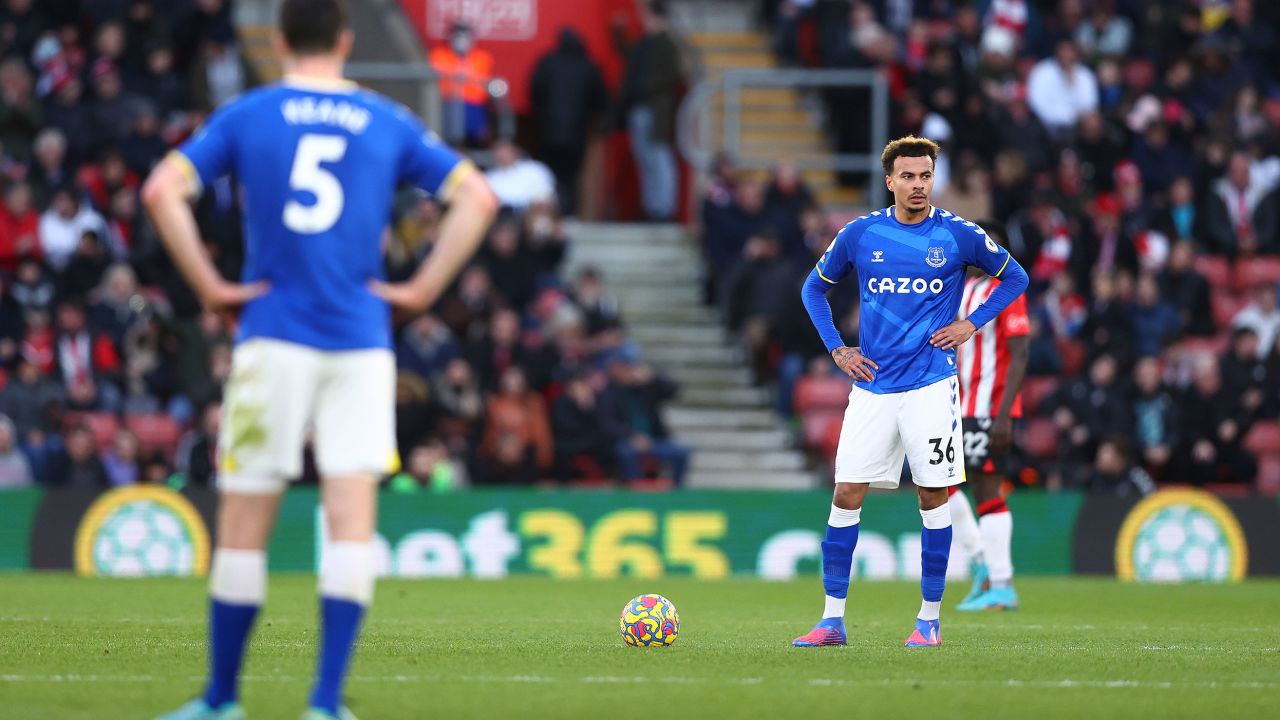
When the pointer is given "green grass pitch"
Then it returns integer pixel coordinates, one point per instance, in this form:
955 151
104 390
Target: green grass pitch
537 648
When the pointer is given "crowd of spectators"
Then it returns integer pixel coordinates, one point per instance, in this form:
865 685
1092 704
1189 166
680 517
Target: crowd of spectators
1129 150
110 371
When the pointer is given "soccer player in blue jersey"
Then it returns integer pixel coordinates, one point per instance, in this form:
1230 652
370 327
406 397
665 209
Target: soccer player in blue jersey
319 160
909 260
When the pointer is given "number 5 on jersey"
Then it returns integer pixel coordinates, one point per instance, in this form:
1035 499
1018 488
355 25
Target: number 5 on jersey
308 176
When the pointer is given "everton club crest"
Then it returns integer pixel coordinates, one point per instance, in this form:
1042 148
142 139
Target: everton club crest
936 258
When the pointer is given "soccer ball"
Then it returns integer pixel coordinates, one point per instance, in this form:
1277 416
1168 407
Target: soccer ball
649 620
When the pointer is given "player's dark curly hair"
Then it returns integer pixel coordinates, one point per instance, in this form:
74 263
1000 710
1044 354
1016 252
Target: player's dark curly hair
311 27
909 146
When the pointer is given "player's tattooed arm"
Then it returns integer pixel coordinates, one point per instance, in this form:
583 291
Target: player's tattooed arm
854 363
953 335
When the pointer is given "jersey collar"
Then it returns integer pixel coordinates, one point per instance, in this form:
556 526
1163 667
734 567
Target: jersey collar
311 82
890 212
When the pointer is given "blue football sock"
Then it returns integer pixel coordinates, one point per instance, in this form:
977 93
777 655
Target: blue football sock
229 626
935 549
340 623
837 551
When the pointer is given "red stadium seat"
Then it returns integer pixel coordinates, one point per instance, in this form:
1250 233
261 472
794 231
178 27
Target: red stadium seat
1263 438
821 393
1216 346
1268 482
1256 271
1035 390
1073 354
1225 306
1216 269
1139 74
156 432
1227 490
102 425
1040 438
587 472
655 484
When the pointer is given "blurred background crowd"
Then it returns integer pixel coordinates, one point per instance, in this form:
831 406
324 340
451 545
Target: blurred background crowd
1126 149
110 373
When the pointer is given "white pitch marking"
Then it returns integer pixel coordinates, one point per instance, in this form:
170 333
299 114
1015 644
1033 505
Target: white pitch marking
640 679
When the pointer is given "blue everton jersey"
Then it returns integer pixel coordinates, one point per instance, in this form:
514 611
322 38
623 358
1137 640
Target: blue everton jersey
318 164
910 280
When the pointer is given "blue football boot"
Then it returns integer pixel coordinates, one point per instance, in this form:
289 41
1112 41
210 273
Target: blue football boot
828 631
928 633
995 598
198 709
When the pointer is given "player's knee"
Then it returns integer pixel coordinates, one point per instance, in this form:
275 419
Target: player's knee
931 498
245 521
350 507
849 496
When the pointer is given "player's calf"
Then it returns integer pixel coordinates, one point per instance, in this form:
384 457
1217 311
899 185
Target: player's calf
346 590
237 589
837 563
935 548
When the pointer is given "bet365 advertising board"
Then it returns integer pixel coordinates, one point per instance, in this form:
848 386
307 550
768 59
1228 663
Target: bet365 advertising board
1171 536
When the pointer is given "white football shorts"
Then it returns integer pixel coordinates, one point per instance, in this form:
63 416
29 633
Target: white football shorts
278 391
921 425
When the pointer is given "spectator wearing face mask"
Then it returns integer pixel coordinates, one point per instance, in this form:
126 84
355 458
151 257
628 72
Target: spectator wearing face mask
519 181
1155 417
584 438
516 445
464 71
63 224
1262 316
1243 210
1116 473
1214 425
635 397
78 465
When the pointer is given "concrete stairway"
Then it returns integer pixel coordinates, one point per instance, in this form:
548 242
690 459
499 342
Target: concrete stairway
776 122
653 270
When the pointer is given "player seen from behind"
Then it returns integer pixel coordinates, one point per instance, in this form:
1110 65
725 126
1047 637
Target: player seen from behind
992 367
909 260
319 160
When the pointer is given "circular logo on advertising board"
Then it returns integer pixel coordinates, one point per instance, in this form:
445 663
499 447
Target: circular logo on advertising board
142 530
1181 536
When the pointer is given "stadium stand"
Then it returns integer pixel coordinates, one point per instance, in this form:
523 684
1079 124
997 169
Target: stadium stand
149 364
1170 153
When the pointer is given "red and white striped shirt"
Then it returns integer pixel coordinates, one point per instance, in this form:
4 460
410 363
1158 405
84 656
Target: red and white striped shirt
984 360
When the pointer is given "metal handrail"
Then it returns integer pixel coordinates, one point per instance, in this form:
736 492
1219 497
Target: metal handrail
694 119
433 106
